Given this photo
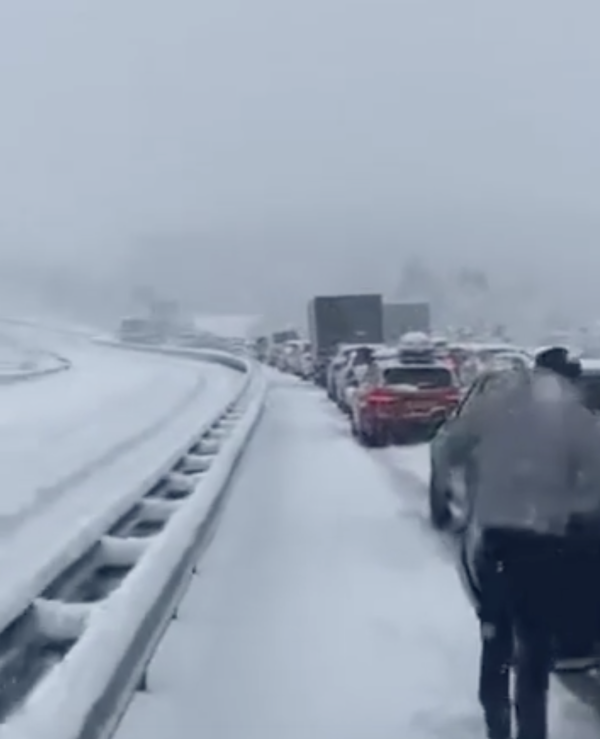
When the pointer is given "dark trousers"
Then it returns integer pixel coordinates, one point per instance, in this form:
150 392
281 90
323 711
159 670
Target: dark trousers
530 585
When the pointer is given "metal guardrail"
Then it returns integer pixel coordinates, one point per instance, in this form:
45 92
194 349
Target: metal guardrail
74 655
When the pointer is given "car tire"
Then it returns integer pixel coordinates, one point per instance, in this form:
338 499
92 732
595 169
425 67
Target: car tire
375 440
365 438
382 439
440 513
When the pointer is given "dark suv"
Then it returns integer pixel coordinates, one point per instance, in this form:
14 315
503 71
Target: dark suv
448 501
447 487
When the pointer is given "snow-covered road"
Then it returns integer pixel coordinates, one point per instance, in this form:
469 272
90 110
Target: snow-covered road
18 356
54 427
325 607
78 449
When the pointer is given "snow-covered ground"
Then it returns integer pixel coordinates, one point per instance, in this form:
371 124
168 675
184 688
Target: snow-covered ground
413 461
52 429
325 606
17 355
75 447
12 356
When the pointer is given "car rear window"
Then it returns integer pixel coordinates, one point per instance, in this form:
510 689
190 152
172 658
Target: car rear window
422 377
590 389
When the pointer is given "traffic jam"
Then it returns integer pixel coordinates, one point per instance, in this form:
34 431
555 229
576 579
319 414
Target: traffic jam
402 393
409 388
394 391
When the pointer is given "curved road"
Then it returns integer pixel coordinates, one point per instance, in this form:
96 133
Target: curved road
77 449
324 608
51 427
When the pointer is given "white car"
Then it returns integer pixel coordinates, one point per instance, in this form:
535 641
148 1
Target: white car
306 366
356 375
335 366
352 372
293 352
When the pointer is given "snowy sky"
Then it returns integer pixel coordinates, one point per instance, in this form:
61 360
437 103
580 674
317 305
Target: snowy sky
322 138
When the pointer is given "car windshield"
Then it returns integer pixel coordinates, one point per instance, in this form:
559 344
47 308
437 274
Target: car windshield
421 377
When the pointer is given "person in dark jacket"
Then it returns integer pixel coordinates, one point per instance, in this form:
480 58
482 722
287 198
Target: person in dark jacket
534 446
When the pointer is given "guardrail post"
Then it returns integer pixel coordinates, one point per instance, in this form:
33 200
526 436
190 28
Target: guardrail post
113 655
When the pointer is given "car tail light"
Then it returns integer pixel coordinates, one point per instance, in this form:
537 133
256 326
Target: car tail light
381 396
452 399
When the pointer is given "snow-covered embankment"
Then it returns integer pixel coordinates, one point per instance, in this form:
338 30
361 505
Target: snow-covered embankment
110 641
19 361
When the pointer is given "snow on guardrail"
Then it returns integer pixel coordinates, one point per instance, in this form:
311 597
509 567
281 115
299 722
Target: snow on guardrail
28 583
111 640
216 356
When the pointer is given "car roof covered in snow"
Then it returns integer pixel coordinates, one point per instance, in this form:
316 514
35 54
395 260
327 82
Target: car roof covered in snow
394 362
483 346
386 352
590 366
353 347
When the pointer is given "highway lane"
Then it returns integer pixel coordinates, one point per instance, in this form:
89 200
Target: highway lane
323 608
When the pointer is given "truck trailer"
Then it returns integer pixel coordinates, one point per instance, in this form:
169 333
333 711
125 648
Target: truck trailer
342 319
